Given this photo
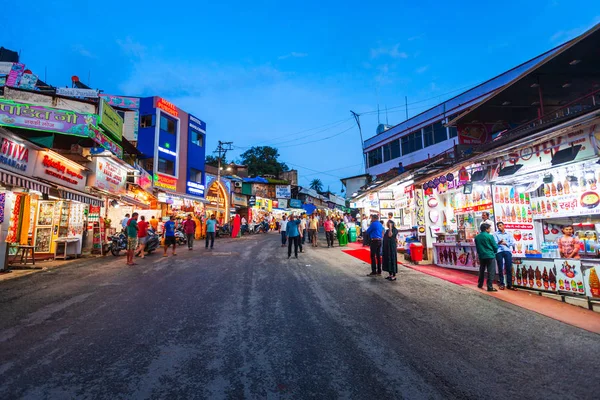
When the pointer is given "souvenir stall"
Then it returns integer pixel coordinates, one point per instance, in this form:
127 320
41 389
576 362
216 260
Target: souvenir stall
542 187
453 210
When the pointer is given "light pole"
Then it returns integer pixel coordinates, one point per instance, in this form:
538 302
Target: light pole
222 149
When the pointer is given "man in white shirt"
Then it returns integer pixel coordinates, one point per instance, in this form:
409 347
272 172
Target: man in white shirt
282 230
485 216
302 229
363 228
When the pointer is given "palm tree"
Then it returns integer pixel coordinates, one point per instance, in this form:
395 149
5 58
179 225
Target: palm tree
317 185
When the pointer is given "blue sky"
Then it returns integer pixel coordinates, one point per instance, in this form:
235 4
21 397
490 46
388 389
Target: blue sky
266 72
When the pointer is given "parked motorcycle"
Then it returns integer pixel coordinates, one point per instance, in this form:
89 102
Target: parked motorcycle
224 231
180 237
117 243
152 242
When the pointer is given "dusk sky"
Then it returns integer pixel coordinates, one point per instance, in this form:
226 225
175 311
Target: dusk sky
267 73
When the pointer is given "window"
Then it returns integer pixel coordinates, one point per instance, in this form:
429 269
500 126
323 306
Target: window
391 150
428 135
439 132
196 138
121 114
374 157
167 124
412 142
195 175
166 166
146 121
453 132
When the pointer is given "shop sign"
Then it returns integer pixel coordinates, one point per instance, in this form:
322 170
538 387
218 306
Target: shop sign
165 182
252 201
283 203
239 199
16 70
216 195
283 191
110 176
479 133
195 188
76 92
5 67
57 169
105 142
110 121
197 124
275 203
569 277
587 203
295 203
144 180
535 274
479 207
121 101
47 119
15 156
167 106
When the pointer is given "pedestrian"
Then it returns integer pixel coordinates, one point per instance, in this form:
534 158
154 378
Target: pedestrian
125 222
390 217
363 227
154 224
485 216
189 228
169 228
342 233
302 230
486 251
329 229
293 234
375 232
142 236
313 229
506 243
283 231
132 236
390 251
210 231
568 245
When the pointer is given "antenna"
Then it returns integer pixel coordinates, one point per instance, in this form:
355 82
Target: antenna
362 143
386 116
406 105
378 121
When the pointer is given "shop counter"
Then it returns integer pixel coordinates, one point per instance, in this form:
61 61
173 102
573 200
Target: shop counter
67 247
459 255
578 277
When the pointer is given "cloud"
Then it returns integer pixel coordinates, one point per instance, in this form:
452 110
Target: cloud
393 52
422 69
564 35
293 54
132 48
82 51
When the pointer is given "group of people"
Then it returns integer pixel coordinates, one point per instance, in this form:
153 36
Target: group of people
137 230
383 245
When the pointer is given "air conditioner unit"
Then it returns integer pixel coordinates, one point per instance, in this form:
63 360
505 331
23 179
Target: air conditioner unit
237 184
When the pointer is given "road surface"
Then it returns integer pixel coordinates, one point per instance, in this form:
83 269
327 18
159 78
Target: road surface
244 322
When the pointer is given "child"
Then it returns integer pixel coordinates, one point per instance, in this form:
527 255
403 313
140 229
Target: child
568 245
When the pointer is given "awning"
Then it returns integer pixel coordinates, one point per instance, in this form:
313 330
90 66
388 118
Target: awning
10 179
135 202
81 197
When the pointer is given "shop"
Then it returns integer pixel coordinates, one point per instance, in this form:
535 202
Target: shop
217 198
240 203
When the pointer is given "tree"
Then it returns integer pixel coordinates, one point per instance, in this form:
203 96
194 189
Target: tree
317 185
214 161
263 160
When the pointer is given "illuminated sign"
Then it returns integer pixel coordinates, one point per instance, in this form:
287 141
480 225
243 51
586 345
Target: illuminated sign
167 151
195 188
167 106
54 168
165 182
14 155
110 176
216 195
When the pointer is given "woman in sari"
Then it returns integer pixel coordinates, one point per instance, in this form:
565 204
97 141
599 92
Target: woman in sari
342 233
390 252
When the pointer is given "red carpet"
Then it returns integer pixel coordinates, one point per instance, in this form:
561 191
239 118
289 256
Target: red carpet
360 253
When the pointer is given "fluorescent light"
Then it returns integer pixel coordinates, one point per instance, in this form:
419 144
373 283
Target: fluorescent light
574 62
170 152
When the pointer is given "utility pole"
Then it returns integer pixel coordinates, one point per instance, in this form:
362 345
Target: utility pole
362 143
221 150
406 106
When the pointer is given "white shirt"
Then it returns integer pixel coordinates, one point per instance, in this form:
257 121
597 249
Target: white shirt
490 223
244 222
365 224
283 225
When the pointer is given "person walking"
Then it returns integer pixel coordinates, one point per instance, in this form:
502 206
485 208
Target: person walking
375 232
210 231
505 242
293 235
390 251
189 228
313 229
302 230
169 228
142 236
132 237
283 230
125 222
486 251
329 229
364 225
154 224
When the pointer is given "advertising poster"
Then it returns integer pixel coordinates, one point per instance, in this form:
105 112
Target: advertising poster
456 256
591 279
535 274
513 209
568 276
110 176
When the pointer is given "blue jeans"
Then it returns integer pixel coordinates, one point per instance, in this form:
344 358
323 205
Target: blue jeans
283 237
504 260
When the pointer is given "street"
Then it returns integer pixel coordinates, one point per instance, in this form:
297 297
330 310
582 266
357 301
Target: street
243 321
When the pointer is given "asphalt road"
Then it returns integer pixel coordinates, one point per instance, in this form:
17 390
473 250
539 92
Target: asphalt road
244 322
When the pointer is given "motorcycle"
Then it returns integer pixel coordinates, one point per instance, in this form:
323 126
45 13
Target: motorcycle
152 242
117 243
180 237
224 231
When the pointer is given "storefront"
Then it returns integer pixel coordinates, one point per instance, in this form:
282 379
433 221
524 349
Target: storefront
217 197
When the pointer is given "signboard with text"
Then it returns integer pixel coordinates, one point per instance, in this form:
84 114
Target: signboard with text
283 191
16 157
110 176
110 121
76 92
165 182
295 203
104 141
57 169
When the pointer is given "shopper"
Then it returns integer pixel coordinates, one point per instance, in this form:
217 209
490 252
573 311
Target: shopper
390 251
169 229
189 228
313 228
485 216
293 235
486 251
302 229
342 233
329 229
154 224
568 245
364 226
132 236
375 232
210 231
125 222
142 236
282 230
506 243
